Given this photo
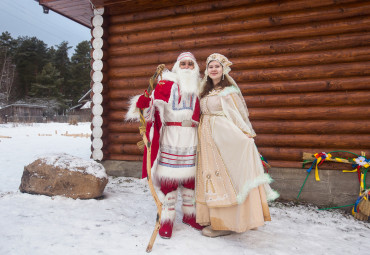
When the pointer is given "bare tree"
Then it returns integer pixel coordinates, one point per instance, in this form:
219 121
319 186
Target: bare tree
7 75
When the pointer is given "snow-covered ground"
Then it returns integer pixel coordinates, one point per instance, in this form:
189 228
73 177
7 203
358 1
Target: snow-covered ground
122 222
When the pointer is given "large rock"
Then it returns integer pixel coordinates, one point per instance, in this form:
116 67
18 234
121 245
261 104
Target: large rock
64 175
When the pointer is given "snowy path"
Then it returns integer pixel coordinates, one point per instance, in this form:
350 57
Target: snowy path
123 221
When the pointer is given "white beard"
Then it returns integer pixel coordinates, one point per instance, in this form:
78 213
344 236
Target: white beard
188 81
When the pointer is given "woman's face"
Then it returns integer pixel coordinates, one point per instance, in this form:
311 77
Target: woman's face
214 71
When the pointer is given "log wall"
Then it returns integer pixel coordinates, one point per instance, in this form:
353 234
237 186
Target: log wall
303 67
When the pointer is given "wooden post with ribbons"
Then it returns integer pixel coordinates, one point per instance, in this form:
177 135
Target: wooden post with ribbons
147 144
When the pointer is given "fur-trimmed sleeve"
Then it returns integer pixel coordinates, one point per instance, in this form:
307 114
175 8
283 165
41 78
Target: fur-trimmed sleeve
133 113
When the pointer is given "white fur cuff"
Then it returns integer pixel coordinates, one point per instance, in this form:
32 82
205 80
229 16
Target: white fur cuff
133 113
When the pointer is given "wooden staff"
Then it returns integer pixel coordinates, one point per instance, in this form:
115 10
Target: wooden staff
147 143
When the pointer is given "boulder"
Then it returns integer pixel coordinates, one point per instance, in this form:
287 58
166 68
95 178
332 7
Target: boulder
64 175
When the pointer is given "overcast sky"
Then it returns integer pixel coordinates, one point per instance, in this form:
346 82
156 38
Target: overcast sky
26 18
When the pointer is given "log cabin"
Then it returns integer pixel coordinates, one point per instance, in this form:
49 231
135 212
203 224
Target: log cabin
303 67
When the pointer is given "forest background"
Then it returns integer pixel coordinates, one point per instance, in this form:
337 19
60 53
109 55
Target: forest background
33 73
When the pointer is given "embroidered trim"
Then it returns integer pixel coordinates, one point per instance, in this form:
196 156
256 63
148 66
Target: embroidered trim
177 157
187 103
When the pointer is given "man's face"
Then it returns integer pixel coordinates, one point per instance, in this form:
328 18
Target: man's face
187 64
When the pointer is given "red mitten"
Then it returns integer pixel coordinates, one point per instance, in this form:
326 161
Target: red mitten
143 102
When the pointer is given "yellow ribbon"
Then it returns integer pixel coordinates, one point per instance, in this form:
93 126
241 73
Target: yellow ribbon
317 170
349 171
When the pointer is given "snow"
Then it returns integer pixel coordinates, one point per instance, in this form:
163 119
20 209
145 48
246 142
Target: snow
122 222
72 163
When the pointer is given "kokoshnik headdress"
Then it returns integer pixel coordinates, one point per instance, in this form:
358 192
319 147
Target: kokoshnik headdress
225 63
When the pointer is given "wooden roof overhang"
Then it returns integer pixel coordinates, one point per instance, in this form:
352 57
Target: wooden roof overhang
81 11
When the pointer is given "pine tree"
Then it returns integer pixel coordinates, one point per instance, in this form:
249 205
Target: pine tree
62 64
80 72
47 84
30 57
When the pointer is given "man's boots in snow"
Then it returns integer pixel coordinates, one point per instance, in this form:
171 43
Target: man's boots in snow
188 208
168 213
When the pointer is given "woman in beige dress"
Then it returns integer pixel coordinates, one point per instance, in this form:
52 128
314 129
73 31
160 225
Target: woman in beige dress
232 189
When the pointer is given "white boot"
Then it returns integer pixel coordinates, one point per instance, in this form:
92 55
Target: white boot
188 208
168 213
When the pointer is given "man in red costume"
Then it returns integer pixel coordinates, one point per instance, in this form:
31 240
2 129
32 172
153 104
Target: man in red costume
172 115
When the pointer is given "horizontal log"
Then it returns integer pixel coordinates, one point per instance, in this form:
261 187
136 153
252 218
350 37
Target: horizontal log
143 6
116 115
349 25
124 138
296 154
344 141
311 113
303 72
303 58
123 94
277 126
275 100
307 99
355 113
130 149
180 10
125 157
267 61
268 48
119 105
313 127
135 86
298 165
299 86
243 23
192 15
130 83
280 73
120 127
285 164
135 71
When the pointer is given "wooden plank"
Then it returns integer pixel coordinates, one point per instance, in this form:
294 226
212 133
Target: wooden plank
306 99
311 113
245 22
267 48
279 73
125 157
126 138
312 127
218 8
300 72
311 85
120 126
130 149
349 25
295 154
117 17
343 141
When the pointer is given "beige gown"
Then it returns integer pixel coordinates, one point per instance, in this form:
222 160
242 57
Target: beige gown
232 189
